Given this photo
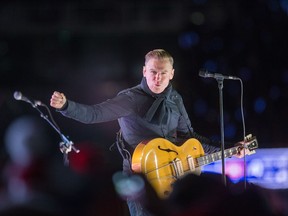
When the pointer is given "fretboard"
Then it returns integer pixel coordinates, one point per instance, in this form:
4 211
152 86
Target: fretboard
207 159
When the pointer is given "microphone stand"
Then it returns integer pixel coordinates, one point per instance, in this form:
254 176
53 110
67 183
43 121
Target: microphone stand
220 80
66 145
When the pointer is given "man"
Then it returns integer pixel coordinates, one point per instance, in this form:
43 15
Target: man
149 110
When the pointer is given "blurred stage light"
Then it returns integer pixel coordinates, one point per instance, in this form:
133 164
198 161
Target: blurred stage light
267 168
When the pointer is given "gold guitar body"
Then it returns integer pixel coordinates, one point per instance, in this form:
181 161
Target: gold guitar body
163 163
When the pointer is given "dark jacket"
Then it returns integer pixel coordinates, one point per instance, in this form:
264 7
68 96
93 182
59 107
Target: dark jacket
131 107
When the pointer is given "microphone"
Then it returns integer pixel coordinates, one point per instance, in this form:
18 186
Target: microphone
19 96
206 74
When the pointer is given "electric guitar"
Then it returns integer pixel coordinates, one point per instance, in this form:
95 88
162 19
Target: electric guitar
163 163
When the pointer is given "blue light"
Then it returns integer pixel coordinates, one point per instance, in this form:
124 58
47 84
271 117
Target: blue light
259 105
284 5
230 130
267 168
188 39
210 65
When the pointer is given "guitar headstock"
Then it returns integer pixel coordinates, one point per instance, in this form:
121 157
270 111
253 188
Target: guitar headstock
251 143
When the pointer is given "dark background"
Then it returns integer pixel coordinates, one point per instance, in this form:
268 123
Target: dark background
90 50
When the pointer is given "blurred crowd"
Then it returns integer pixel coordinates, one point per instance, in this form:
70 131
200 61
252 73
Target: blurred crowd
34 181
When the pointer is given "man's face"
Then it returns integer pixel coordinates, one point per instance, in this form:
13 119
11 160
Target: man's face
158 73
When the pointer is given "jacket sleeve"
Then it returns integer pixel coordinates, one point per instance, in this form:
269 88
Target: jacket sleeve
109 110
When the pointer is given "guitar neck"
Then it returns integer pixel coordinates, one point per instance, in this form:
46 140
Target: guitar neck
207 159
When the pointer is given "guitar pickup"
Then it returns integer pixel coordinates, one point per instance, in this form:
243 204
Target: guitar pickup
178 168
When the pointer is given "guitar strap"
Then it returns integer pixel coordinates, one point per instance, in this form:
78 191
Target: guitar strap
125 154
121 146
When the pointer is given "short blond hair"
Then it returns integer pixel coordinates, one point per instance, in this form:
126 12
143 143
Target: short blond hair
159 54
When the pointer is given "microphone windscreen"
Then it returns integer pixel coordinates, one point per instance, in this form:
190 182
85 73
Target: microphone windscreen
17 95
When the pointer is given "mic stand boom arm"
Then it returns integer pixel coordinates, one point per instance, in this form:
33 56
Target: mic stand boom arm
66 145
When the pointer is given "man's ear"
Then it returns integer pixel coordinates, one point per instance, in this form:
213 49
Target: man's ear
144 71
172 74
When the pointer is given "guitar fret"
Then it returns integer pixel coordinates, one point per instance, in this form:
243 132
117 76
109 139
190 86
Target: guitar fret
212 157
204 160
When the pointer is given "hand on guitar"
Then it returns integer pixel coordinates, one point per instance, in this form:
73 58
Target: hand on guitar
243 149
